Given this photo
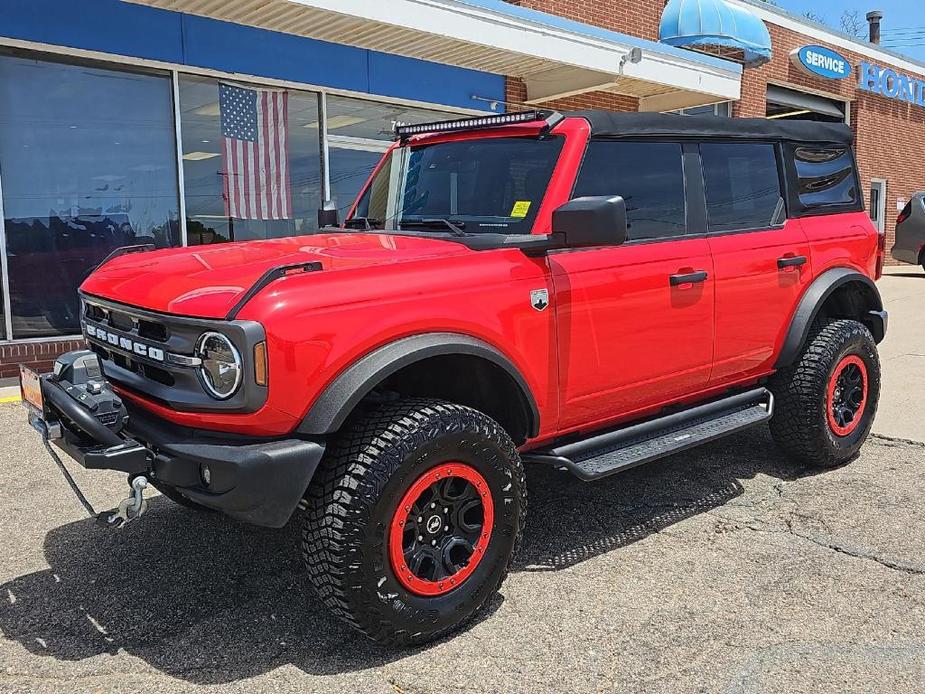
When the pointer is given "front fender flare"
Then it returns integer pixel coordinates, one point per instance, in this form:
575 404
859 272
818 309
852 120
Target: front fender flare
329 411
811 303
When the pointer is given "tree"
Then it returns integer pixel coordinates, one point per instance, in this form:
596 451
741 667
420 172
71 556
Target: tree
852 24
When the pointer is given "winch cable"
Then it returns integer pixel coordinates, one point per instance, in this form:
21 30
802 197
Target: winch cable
67 475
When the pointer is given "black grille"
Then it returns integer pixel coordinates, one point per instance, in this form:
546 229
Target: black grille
147 329
122 321
153 331
140 333
94 312
156 374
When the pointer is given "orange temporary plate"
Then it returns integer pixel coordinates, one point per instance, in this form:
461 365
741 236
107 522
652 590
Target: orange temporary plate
31 387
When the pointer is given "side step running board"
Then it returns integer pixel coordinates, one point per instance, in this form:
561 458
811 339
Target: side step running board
622 449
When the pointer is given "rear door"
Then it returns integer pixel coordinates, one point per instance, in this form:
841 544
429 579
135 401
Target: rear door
635 322
761 259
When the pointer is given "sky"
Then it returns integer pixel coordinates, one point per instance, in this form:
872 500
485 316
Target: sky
903 23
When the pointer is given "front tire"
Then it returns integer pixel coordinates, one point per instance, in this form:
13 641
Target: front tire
412 522
827 400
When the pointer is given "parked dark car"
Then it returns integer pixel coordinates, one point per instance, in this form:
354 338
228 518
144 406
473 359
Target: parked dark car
910 232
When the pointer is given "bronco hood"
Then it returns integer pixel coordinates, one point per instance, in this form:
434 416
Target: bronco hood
207 281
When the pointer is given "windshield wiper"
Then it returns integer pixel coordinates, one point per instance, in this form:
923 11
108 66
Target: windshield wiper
456 228
365 223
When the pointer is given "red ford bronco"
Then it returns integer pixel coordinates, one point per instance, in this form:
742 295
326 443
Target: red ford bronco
591 291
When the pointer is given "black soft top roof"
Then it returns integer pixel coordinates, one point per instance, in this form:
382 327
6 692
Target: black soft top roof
610 124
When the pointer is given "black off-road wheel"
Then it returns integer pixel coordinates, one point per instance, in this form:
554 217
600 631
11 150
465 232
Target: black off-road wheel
825 403
413 519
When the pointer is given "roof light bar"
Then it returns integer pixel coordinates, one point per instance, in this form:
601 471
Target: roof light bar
403 132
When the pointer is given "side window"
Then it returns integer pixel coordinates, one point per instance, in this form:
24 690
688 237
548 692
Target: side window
742 186
649 177
826 176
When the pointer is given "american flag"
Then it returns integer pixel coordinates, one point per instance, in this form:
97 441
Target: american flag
255 152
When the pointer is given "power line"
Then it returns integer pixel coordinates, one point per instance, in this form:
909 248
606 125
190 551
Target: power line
904 30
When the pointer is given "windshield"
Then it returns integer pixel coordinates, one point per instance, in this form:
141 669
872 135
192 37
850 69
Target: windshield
485 185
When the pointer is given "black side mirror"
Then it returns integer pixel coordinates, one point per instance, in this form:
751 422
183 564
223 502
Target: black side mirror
327 215
598 220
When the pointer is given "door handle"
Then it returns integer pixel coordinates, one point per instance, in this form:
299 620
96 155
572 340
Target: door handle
791 261
688 278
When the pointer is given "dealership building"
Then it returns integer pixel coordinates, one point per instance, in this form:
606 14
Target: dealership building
115 114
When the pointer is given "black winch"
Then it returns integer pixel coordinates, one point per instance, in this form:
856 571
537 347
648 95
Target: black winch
80 413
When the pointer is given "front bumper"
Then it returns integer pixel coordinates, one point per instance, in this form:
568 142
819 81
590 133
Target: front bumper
252 480
255 481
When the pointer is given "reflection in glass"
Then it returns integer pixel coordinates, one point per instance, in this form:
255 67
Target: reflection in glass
88 163
486 185
649 177
359 131
374 120
210 177
742 186
826 176
349 170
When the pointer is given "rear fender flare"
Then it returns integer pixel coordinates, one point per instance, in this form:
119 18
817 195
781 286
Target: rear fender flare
331 409
811 303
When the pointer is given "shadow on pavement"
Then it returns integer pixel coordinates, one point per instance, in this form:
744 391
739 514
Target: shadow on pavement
207 600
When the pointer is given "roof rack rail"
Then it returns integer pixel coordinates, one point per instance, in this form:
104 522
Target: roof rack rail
551 120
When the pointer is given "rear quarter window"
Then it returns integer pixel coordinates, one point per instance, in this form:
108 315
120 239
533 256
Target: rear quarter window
826 177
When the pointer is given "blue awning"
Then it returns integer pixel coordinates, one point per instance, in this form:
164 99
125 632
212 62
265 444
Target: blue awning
716 27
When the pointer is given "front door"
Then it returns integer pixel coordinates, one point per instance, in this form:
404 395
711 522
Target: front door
635 322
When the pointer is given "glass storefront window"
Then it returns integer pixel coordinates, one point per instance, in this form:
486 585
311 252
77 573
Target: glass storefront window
88 161
350 167
87 157
359 131
251 161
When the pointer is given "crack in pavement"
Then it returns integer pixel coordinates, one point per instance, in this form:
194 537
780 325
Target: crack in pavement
860 553
760 525
897 439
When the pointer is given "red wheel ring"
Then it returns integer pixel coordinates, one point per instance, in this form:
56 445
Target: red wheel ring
441 529
846 395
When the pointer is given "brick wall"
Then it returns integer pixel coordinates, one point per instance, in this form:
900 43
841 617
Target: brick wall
516 92
634 17
37 355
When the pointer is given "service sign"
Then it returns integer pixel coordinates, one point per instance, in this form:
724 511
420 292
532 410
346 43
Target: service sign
820 61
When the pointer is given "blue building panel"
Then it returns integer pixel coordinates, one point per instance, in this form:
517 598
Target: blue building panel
237 48
406 78
125 29
96 25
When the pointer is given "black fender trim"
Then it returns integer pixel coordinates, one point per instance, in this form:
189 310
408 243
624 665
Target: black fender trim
338 400
811 303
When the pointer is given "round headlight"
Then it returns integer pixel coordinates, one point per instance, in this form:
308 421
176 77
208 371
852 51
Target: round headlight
221 370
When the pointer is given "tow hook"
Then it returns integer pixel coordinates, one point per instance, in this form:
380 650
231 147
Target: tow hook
129 508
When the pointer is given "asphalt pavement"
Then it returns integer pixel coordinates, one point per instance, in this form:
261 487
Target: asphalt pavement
725 569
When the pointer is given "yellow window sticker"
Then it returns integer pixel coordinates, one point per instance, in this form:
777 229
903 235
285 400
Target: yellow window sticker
521 207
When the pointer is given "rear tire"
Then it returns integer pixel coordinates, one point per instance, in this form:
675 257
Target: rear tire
826 401
412 457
